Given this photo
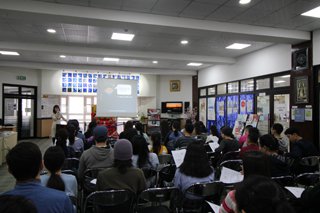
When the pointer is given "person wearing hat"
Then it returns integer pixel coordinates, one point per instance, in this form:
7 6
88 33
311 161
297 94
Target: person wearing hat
122 175
98 156
270 147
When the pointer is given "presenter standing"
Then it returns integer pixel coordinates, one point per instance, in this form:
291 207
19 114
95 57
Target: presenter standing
56 117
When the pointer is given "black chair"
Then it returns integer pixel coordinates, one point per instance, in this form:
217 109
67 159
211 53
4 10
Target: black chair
195 196
283 181
71 164
155 197
310 164
116 201
307 179
166 175
151 176
232 164
233 155
165 158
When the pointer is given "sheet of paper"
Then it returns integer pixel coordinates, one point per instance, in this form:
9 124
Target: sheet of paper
94 181
296 191
213 146
178 156
230 176
214 207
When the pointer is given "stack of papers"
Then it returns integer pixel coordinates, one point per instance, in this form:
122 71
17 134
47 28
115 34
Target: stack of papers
296 191
178 156
213 146
230 176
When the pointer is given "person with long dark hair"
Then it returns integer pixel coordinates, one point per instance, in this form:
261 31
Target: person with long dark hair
142 158
56 117
122 175
61 141
140 130
157 146
195 167
89 135
214 135
74 142
228 143
53 161
173 135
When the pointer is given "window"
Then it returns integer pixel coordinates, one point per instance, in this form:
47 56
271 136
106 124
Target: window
263 83
233 87
203 92
281 81
222 89
211 90
247 85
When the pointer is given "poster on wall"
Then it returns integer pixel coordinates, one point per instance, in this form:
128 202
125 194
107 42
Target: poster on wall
211 111
203 110
263 124
220 108
232 110
239 125
246 104
253 120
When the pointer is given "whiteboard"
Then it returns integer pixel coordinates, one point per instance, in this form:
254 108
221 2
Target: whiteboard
117 98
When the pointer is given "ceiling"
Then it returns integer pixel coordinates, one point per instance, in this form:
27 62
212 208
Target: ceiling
84 28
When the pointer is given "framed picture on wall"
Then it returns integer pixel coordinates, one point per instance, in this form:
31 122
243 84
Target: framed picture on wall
301 88
300 59
175 86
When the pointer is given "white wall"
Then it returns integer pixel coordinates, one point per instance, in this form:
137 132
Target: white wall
269 60
9 76
316 47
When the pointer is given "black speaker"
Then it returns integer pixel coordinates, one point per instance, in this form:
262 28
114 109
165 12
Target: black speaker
186 106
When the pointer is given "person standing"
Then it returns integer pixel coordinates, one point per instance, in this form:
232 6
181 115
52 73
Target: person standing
56 116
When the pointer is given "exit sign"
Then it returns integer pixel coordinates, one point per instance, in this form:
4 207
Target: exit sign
21 77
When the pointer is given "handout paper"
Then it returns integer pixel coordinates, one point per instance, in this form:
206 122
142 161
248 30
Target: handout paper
178 156
230 176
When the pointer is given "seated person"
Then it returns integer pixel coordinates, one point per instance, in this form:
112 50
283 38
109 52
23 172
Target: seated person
122 175
184 141
243 138
74 142
157 146
276 131
16 204
25 163
214 136
259 194
194 169
270 147
228 143
140 130
200 131
53 161
142 158
89 141
76 124
173 136
62 140
252 141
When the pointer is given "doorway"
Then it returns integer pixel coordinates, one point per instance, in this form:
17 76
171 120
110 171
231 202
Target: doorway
19 109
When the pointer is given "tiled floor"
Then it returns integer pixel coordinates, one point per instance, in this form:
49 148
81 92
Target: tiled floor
7 181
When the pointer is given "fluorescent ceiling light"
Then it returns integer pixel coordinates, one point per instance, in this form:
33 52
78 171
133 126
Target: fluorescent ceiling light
122 36
51 31
238 46
194 64
9 53
279 82
155 62
111 59
62 56
313 13
184 42
244 1
285 76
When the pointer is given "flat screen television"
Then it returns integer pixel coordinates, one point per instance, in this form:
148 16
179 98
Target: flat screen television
172 107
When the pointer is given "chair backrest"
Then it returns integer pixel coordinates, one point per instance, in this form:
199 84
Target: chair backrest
308 179
110 201
159 195
167 173
232 164
206 189
149 173
310 164
88 176
71 164
287 180
233 155
165 158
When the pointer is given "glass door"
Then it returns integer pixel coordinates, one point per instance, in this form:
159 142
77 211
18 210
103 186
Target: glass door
27 124
263 111
11 111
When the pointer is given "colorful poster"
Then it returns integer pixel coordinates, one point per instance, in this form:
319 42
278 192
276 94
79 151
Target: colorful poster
203 110
232 110
220 109
253 120
211 111
239 125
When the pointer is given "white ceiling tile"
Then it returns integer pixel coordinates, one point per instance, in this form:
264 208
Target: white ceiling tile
249 16
107 4
198 10
225 13
170 7
138 5
272 5
73 2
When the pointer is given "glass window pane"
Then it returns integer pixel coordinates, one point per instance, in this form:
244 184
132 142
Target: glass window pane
203 92
282 109
263 83
76 105
281 81
95 100
63 105
222 89
233 87
27 91
212 91
247 85
11 90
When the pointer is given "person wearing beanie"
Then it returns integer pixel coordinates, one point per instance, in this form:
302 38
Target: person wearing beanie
98 156
270 147
122 175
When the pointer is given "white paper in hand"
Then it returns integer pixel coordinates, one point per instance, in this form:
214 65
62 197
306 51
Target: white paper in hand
213 146
214 207
296 191
230 176
178 156
94 181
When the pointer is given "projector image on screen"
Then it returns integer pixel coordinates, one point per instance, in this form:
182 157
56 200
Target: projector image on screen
123 89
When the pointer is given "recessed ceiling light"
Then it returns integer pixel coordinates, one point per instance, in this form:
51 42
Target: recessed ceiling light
244 1
62 56
155 62
111 59
238 46
285 76
9 53
122 36
51 31
194 64
279 82
313 13
184 42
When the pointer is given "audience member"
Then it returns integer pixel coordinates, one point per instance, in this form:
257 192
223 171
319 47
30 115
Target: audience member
62 140
98 156
243 138
173 136
89 141
53 161
76 124
122 175
228 142
74 142
127 126
194 169
25 163
276 131
310 199
157 146
200 131
142 158
140 130
214 135
16 204
259 194
252 141
270 147
184 141
165 129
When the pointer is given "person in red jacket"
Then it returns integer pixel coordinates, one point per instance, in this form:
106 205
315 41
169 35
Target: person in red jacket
252 141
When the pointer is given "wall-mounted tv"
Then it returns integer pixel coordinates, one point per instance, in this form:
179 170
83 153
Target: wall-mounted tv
172 107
